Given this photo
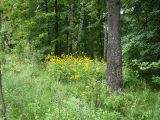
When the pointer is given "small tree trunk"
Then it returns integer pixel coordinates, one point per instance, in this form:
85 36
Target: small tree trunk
90 41
105 38
100 27
1 95
58 43
114 57
1 91
80 27
101 39
70 34
2 43
0 19
48 29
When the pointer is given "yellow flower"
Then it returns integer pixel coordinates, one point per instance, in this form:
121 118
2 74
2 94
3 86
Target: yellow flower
52 59
85 67
74 70
77 76
49 56
97 69
71 77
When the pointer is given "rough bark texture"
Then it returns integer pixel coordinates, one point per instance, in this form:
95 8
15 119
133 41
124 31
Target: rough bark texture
114 57
80 27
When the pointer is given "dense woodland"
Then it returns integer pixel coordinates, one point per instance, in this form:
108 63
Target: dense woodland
80 59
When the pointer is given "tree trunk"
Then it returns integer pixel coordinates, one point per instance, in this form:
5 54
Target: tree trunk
1 91
101 39
70 34
90 40
48 29
57 44
80 27
1 96
100 27
114 57
2 43
0 19
105 39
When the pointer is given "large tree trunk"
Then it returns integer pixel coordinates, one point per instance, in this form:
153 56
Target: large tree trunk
114 57
80 27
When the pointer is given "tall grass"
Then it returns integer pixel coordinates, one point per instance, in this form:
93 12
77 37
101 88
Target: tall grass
69 88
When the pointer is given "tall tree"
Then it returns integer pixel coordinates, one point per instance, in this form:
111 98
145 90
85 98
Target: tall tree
114 57
90 39
70 33
1 41
105 35
81 20
57 44
48 28
0 19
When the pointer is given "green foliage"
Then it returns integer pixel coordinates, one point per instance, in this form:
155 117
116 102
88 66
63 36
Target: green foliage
66 87
32 22
140 29
44 93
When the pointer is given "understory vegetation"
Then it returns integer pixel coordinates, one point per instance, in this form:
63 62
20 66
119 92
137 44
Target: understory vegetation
79 60
69 88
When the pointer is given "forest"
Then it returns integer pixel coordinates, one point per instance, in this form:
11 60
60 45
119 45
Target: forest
79 59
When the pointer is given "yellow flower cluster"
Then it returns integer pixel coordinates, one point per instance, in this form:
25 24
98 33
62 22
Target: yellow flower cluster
75 77
73 68
85 67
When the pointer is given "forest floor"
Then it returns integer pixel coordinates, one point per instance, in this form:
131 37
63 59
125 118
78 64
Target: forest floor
69 88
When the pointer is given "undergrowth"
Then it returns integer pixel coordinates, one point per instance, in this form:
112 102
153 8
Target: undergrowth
70 88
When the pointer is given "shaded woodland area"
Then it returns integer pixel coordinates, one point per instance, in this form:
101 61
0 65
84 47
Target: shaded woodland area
80 60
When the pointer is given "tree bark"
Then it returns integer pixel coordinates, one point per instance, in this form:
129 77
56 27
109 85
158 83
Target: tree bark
70 34
48 29
0 19
80 27
2 97
105 39
90 38
1 91
2 43
114 57
90 41
57 44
